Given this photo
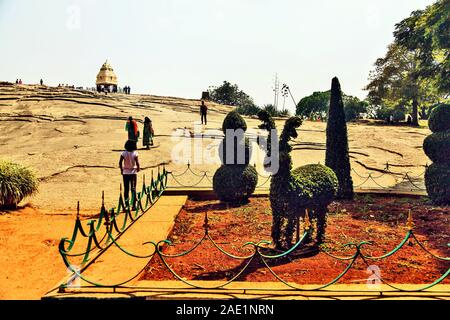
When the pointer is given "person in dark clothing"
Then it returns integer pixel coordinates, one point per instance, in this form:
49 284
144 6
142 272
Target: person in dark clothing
409 119
42 82
203 111
148 133
132 128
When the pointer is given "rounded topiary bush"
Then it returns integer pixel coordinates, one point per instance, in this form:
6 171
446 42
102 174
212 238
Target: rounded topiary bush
16 183
437 147
437 181
238 147
234 121
317 180
310 186
235 183
440 118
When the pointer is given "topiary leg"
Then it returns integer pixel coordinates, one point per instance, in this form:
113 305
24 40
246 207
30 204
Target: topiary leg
321 224
276 229
289 232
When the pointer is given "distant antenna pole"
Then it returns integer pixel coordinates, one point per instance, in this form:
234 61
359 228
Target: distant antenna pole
286 89
276 89
284 93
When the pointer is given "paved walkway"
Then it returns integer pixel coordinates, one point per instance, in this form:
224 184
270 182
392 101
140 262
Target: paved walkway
209 193
114 266
176 290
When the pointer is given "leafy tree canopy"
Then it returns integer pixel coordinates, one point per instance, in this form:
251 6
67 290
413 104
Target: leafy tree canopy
316 105
427 32
230 94
415 72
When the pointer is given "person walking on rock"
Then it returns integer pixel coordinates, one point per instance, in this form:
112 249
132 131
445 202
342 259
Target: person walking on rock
147 140
203 111
129 167
132 128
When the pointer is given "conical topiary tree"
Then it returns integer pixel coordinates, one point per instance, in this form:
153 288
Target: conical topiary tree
235 180
337 157
437 148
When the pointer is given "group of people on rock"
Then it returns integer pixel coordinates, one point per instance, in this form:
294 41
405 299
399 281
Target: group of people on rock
133 131
63 85
129 159
126 89
18 81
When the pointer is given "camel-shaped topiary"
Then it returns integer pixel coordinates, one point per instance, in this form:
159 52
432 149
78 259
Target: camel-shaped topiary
311 187
269 125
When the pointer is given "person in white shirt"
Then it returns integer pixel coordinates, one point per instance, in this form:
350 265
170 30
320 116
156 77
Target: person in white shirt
129 167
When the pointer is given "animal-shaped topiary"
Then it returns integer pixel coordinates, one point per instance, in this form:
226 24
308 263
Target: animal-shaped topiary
235 180
269 125
311 187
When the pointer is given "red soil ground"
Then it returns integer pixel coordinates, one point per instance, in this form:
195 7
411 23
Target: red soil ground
382 220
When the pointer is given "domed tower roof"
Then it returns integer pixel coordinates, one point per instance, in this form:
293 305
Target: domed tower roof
106 75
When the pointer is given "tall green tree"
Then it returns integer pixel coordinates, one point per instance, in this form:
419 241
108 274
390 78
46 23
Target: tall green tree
318 103
337 156
396 81
416 69
427 32
314 105
230 94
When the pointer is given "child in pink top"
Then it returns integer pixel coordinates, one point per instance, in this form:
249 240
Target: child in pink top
129 167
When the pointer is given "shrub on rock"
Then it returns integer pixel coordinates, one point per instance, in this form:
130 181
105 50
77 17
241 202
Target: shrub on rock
16 183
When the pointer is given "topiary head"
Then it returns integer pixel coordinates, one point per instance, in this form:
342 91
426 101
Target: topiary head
290 127
234 121
267 120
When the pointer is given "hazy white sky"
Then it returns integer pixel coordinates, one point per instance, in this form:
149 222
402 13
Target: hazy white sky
181 47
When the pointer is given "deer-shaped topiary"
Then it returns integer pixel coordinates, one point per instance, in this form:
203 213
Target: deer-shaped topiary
308 188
